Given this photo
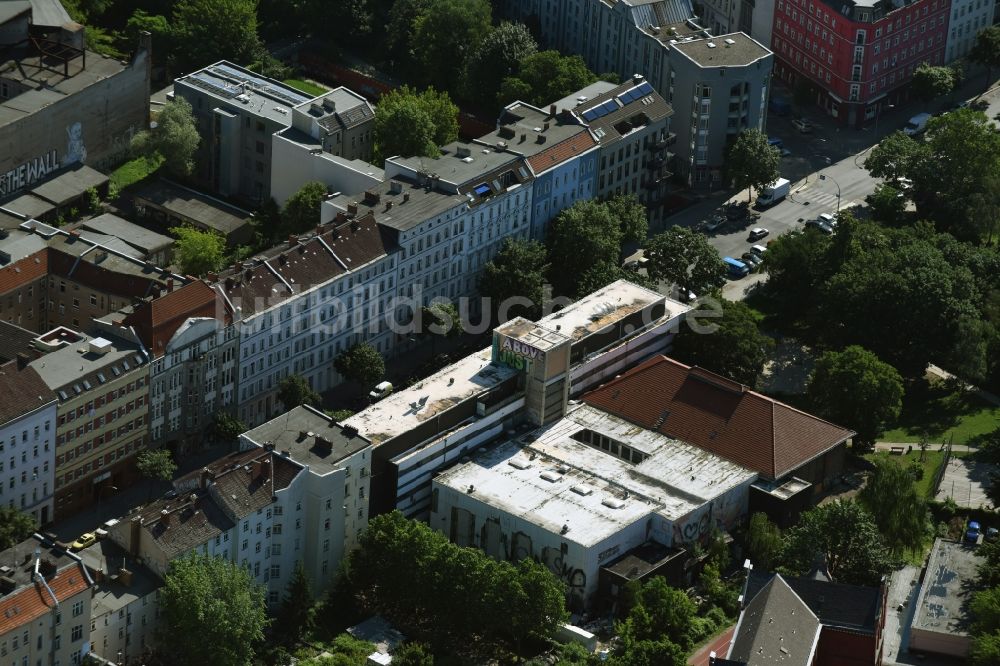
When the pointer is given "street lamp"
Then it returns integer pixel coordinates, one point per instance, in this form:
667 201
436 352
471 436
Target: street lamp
99 495
823 176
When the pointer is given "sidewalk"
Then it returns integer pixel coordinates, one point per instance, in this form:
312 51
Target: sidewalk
719 645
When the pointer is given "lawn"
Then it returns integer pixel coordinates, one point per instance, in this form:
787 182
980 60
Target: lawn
932 460
308 87
134 171
939 412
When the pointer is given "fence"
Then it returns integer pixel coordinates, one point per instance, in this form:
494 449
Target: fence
942 467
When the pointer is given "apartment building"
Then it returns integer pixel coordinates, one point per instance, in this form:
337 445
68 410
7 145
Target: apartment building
631 123
560 151
301 304
27 441
857 57
194 346
719 87
101 414
968 17
45 607
236 112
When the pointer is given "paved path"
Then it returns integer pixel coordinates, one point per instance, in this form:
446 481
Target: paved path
955 448
719 645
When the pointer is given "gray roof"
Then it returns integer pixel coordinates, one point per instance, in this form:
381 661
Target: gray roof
522 125
311 438
111 592
190 521
948 587
645 13
637 104
29 205
10 9
343 107
191 205
17 245
68 372
47 84
14 340
10 220
70 184
112 243
421 204
49 13
19 560
589 92
232 84
458 169
137 236
732 50
776 627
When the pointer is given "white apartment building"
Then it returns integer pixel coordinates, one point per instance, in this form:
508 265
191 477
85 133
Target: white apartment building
303 303
968 17
27 441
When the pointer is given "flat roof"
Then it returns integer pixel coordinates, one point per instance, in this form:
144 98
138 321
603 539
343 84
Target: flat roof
588 93
532 334
311 438
17 245
111 592
402 411
529 130
135 235
69 184
192 205
948 587
238 86
412 206
459 169
732 50
550 479
68 371
606 306
29 205
47 84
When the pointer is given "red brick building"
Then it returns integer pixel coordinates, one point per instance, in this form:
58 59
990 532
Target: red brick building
857 55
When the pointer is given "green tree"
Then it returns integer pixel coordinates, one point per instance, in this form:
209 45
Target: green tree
588 229
399 35
633 219
175 138
896 156
413 654
732 345
211 612
988 571
514 279
228 427
649 653
856 389
888 204
302 211
930 81
604 273
797 265
297 616
985 649
684 257
361 363
986 50
751 162
900 513
206 31
155 24
410 124
198 252
764 542
985 611
15 526
544 77
294 390
446 35
497 57
846 535
156 464
657 611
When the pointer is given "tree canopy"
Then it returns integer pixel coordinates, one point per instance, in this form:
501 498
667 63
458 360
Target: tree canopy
156 464
855 389
361 363
931 81
684 257
198 252
15 526
175 138
764 542
514 279
846 537
986 50
446 35
411 124
544 77
298 608
206 31
900 513
303 210
498 56
211 612
294 390
752 162
733 346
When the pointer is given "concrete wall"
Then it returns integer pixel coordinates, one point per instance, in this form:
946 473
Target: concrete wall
31 444
939 642
109 114
297 166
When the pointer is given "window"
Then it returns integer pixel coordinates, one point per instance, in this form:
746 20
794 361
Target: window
275 570
78 609
77 633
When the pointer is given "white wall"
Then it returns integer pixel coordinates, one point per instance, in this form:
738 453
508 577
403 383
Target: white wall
129 629
294 166
27 462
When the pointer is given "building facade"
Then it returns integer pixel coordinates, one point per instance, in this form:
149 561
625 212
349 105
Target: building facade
102 386
968 17
859 57
27 441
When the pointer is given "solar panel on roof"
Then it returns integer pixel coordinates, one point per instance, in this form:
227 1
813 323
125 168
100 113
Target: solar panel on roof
610 106
644 89
626 97
590 115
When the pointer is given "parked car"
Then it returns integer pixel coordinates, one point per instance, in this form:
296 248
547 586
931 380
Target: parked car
992 534
715 223
820 226
751 260
757 233
972 532
85 540
774 193
830 220
759 250
802 125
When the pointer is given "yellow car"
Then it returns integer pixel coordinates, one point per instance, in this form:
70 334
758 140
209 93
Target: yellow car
85 540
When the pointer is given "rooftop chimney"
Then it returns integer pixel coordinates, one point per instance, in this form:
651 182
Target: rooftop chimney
293 240
125 577
395 187
552 110
352 208
323 444
170 285
165 517
22 360
212 276
206 477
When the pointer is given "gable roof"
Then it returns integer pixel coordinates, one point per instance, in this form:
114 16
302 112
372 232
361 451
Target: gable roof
562 151
854 607
157 320
721 416
776 627
30 603
23 391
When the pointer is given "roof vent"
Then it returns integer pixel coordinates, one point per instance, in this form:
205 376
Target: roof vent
550 476
613 503
100 346
519 464
711 45
730 41
582 490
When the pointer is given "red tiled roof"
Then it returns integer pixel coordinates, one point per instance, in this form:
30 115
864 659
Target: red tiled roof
30 603
724 417
23 391
157 320
24 271
561 152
